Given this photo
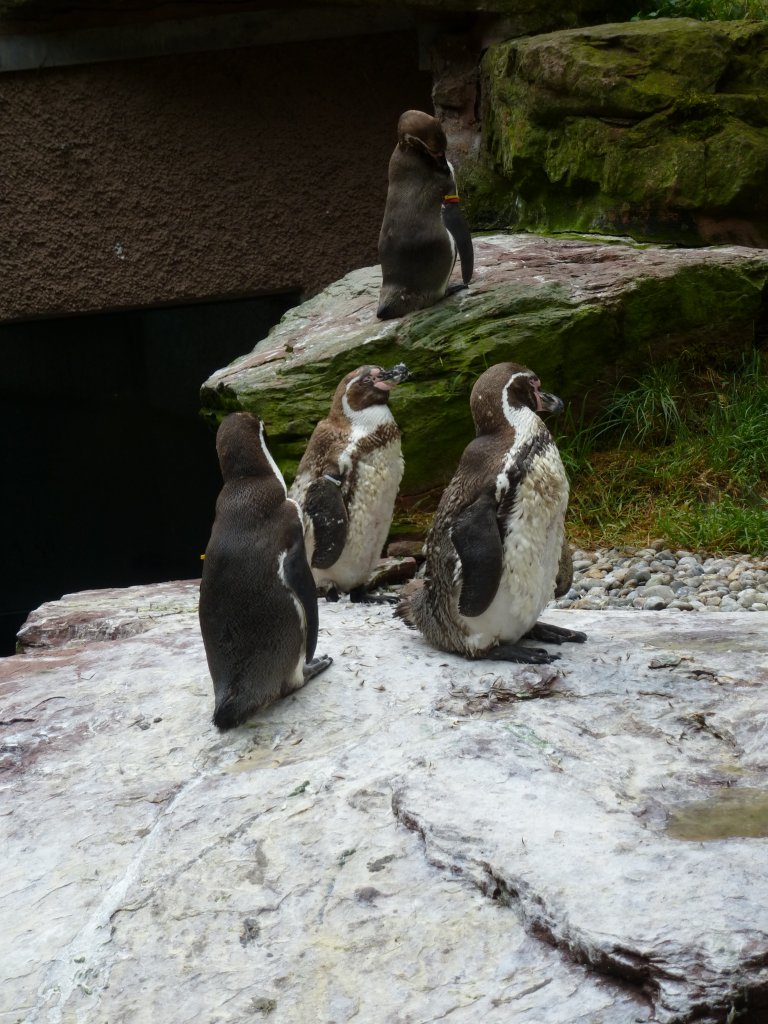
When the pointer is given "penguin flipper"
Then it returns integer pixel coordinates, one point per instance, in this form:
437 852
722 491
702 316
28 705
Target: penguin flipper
454 220
298 576
325 506
475 535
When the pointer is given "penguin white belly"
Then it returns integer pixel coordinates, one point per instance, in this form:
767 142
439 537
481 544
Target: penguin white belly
369 508
532 546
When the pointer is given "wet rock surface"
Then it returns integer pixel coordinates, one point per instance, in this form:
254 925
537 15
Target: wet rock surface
412 837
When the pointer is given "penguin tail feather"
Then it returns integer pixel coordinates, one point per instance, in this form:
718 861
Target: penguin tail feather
387 312
227 715
404 611
404 608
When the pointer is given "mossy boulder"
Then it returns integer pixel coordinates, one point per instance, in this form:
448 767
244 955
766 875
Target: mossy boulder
654 129
580 313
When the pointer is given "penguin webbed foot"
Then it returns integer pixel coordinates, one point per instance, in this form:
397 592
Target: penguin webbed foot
316 666
228 715
549 634
361 595
453 288
519 653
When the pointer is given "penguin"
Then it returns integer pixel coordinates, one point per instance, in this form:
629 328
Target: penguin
497 544
258 606
423 227
347 482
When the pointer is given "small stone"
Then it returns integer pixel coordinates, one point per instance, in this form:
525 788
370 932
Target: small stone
665 661
390 571
663 564
665 594
406 549
657 579
640 573
690 565
590 584
654 604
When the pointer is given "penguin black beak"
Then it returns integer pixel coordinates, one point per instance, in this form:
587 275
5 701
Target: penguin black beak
397 374
548 403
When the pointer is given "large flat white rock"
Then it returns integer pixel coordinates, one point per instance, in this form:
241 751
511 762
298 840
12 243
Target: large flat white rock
411 838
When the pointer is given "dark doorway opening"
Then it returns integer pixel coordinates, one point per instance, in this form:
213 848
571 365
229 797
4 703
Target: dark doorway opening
109 475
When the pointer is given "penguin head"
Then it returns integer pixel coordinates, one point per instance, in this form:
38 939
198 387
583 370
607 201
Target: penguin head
241 445
504 388
365 388
423 134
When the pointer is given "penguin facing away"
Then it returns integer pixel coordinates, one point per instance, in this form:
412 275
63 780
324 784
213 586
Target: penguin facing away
347 482
497 543
258 606
423 228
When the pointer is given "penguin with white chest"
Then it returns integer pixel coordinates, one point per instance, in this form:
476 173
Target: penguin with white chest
494 550
423 229
258 605
347 482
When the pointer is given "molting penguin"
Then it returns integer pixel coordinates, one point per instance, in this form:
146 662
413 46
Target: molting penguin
258 606
497 540
423 226
347 481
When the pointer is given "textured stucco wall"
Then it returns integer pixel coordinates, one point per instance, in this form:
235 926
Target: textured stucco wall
204 176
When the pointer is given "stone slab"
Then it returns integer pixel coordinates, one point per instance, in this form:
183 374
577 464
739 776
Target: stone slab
413 837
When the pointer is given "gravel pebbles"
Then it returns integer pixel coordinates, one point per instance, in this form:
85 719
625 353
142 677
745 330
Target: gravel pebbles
655 577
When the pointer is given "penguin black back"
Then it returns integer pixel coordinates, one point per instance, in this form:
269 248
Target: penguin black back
258 609
423 227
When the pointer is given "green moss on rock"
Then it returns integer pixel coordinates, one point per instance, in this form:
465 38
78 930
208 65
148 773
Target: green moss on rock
655 129
580 313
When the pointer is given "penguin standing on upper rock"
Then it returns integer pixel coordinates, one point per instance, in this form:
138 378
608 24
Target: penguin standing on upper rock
495 546
258 605
423 226
347 481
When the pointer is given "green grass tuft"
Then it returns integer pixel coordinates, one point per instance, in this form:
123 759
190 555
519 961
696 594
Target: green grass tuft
677 454
705 10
